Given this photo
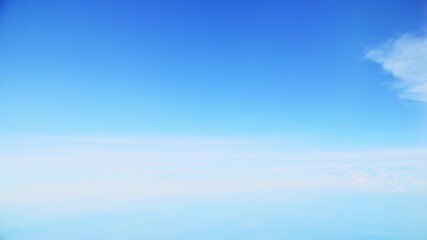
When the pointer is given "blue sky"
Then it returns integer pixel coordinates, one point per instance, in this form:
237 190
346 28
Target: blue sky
229 68
127 115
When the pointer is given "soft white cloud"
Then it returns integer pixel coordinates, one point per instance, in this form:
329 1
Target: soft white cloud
383 180
88 174
406 59
182 160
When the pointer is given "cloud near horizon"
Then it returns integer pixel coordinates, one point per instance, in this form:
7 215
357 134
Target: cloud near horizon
406 59
217 165
84 175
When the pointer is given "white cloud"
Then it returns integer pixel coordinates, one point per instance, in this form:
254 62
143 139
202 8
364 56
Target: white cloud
51 158
382 180
64 175
406 59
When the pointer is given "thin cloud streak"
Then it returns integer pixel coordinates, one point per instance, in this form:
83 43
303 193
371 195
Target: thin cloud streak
116 156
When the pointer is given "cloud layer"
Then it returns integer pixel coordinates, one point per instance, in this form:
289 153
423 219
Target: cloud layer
406 59
57 177
94 168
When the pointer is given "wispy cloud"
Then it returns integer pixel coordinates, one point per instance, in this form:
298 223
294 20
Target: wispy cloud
197 159
90 174
406 59
168 154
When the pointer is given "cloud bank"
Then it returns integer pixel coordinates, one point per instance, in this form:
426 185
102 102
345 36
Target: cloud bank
57 177
90 167
406 59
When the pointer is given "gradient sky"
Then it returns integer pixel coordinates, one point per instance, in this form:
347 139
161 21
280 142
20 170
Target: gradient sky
213 119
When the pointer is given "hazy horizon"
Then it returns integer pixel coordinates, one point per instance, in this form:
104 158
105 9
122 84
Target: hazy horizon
296 120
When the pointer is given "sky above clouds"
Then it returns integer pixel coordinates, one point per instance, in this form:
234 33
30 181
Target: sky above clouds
213 120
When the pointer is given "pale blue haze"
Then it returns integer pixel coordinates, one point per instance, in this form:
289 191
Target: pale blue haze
161 119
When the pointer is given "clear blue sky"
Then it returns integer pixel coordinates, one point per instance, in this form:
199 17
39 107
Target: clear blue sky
193 87
228 67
